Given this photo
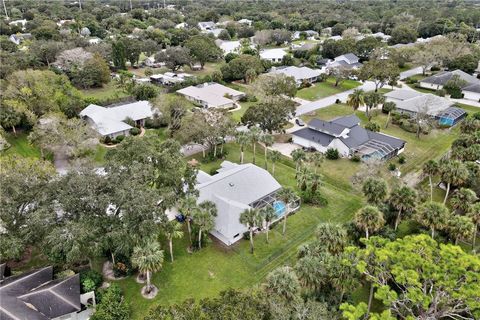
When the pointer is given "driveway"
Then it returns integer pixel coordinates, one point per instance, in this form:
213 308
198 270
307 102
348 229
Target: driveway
328 101
284 148
411 72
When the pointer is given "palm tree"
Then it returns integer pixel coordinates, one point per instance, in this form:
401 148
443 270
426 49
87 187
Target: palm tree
287 195
430 169
370 219
172 230
303 177
267 140
388 107
188 206
372 100
148 258
403 199
205 219
453 172
332 236
268 214
460 227
242 138
462 199
283 282
356 99
274 157
255 136
315 158
252 219
298 156
433 215
474 214
375 189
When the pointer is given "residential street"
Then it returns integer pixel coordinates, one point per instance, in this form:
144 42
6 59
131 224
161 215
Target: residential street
411 72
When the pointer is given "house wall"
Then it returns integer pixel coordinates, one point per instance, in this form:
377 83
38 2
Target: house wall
430 86
119 133
336 144
471 95
341 147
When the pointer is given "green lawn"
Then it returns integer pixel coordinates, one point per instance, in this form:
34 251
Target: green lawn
20 145
208 69
237 114
216 268
108 91
324 89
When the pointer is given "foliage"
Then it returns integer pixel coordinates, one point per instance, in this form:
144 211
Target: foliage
372 126
91 280
332 154
174 57
237 68
145 91
203 49
112 305
375 189
271 116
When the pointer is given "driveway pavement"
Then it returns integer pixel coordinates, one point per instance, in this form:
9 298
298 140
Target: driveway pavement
411 72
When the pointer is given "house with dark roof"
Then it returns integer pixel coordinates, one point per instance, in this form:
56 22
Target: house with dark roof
471 89
348 60
347 136
36 295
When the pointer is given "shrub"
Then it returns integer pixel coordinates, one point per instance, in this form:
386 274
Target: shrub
91 280
435 68
392 166
411 80
135 131
356 158
130 122
441 92
338 101
456 93
145 91
119 138
111 305
401 159
332 154
157 121
305 84
372 126
315 198
107 140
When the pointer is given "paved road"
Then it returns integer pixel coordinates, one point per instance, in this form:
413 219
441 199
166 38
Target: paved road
411 72
328 101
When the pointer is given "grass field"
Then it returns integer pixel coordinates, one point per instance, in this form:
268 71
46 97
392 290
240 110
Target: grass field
324 89
108 91
216 268
20 145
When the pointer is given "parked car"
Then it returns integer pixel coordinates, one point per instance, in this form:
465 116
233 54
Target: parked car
299 122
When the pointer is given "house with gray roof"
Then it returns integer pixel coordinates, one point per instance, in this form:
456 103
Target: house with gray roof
472 92
110 121
438 80
206 25
234 189
347 136
37 295
348 60
300 74
212 95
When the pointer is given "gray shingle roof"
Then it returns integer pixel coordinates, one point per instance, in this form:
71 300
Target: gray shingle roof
442 78
321 138
326 127
472 88
402 94
425 103
348 121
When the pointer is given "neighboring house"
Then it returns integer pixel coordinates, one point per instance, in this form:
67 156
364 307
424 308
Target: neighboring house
347 136
382 36
206 25
94 40
212 95
411 102
216 31
150 62
228 46
470 90
61 23
170 78
273 55
301 75
36 295
348 60
19 37
310 34
302 46
335 38
245 21
234 189
182 25
110 121
21 23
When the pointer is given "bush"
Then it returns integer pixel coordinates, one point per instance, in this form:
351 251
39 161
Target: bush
356 158
435 68
441 92
456 93
111 305
392 166
315 198
338 101
107 140
157 121
91 280
145 91
372 126
401 159
332 154
305 84
122 267
411 80
119 138
135 131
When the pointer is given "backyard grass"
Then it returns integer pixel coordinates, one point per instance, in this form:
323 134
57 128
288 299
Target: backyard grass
324 89
108 91
208 69
215 268
19 145
237 114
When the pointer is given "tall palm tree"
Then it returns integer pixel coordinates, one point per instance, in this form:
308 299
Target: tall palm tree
172 230
388 107
298 156
453 172
356 99
274 156
403 199
255 136
267 140
205 218
462 199
332 236
375 189
243 139
268 214
287 195
252 219
303 177
430 169
460 227
433 215
474 214
369 219
283 282
188 206
372 100
148 258
315 158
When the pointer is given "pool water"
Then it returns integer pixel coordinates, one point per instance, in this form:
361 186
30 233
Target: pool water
280 208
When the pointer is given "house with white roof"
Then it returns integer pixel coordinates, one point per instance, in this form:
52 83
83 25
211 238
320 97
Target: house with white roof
245 21
273 55
234 189
229 46
170 78
335 38
22 23
181 25
110 121
310 34
381 35
94 40
206 25
348 60
300 74
212 95
411 102
19 37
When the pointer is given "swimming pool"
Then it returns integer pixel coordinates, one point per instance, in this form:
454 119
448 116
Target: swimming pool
280 208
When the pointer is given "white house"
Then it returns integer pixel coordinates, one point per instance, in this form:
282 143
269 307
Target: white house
110 121
19 37
311 34
228 46
348 60
234 189
212 95
335 38
347 136
301 75
206 25
22 23
170 78
273 55
181 25
94 40
382 36
245 21
472 92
